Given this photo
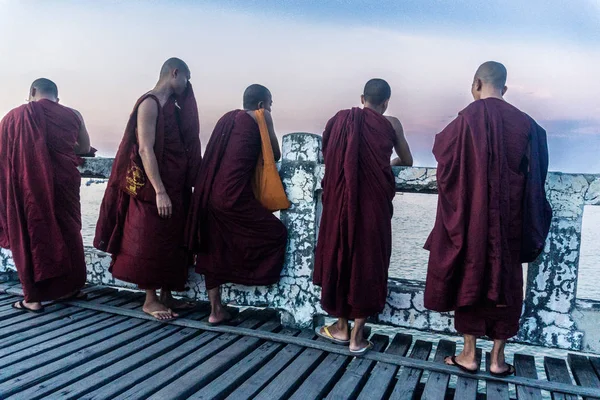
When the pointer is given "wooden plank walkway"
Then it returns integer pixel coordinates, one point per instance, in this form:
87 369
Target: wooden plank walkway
107 348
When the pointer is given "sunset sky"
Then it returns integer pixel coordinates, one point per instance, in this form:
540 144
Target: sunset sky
315 56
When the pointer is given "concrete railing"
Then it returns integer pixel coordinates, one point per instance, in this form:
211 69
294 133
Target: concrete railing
552 316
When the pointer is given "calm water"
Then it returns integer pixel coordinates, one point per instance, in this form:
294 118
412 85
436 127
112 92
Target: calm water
414 215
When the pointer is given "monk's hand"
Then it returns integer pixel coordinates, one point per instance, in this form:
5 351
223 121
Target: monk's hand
163 203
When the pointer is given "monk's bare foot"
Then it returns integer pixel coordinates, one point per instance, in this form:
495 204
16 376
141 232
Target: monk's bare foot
503 369
461 360
24 305
158 310
175 304
335 332
219 315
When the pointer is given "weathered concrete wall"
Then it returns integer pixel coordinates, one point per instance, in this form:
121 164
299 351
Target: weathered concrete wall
551 316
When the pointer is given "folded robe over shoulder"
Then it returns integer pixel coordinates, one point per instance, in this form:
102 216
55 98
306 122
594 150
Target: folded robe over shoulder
40 212
355 235
492 210
147 249
237 239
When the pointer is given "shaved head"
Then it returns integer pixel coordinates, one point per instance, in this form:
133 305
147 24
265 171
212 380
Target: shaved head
174 64
377 91
492 73
44 87
255 94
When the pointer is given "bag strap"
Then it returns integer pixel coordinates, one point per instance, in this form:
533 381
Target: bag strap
267 149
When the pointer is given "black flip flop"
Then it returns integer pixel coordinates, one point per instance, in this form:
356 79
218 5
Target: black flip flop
510 371
24 308
461 367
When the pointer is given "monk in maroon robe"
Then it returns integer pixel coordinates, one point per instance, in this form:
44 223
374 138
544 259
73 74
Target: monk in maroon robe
491 159
40 213
355 235
237 239
145 206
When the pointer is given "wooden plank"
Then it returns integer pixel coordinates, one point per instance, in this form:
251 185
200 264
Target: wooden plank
584 372
171 373
31 361
409 377
266 373
88 367
357 373
10 313
115 377
23 381
437 383
288 380
203 373
23 322
322 379
525 366
379 383
466 388
331 348
242 370
596 364
8 301
127 384
28 343
495 390
557 371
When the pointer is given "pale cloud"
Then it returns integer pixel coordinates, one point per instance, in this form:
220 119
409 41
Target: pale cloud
104 57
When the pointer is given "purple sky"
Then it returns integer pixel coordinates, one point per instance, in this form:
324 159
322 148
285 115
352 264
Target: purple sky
315 57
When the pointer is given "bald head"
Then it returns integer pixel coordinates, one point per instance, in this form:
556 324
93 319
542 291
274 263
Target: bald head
173 64
377 91
43 88
492 73
257 96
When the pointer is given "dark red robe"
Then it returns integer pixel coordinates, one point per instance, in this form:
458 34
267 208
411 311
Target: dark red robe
149 250
40 213
355 234
236 238
476 243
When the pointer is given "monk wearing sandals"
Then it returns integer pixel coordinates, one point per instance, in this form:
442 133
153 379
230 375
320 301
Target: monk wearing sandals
355 235
40 211
492 216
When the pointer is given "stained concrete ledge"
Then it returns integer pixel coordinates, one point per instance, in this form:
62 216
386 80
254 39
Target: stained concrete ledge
552 316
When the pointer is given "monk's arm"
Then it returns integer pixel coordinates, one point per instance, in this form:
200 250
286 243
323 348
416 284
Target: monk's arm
83 139
146 124
272 136
405 157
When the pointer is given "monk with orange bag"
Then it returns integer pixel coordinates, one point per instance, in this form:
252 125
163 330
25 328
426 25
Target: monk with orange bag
231 227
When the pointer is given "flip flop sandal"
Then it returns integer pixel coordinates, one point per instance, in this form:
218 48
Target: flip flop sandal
328 336
461 367
155 314
24 308
510 371
368 347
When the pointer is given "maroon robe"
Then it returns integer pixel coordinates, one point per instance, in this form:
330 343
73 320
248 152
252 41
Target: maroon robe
149 250
40 213
475 245
355 234
236 238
